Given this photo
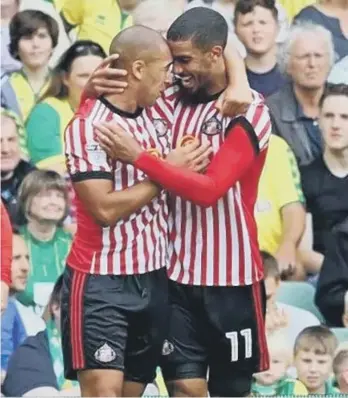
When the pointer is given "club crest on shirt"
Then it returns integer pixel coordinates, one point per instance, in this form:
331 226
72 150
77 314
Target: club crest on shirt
212 126
161 127
105 354
167 348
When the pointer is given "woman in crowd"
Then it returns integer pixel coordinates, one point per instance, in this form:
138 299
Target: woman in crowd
33 36
43 200
47 121
333 15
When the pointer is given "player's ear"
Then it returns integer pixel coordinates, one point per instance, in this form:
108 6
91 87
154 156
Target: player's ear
138 69
216 52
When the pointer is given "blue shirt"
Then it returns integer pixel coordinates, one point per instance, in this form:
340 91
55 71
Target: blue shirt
30 367
266 83
12 332
313 131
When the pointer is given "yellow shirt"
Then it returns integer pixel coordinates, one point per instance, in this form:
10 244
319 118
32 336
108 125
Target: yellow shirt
293 7
280 184
97 20
26 98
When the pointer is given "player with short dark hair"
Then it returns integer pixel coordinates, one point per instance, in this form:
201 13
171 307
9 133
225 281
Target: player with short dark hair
216 288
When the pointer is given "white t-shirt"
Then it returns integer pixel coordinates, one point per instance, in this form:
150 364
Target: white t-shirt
298 319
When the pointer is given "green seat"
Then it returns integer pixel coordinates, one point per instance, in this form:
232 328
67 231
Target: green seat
341 334
299 294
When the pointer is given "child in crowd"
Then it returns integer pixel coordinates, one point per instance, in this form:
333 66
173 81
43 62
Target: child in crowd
340 368
314 352
274 382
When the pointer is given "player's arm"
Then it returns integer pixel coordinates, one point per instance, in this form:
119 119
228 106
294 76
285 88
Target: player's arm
107 206
237 97
234 100
91 172
246 137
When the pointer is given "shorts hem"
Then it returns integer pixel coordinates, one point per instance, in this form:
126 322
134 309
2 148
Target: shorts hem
186 371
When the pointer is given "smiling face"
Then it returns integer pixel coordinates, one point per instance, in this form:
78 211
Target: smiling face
193 66
48 205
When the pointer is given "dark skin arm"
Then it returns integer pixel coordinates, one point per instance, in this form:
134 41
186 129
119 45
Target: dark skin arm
107 206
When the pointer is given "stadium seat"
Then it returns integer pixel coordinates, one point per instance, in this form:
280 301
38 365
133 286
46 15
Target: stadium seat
299 294
341 334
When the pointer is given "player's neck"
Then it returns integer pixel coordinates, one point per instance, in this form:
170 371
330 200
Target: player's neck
261 63
125 102
36 77
218 82
337 161
41 231
309 99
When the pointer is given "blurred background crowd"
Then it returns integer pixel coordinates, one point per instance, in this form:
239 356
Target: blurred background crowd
294 51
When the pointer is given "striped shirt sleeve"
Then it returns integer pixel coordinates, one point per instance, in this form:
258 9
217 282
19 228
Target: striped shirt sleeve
84 157
259 118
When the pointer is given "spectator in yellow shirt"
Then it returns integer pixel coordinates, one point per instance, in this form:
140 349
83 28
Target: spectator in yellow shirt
292 7
279 211
33 36
46 124
97 20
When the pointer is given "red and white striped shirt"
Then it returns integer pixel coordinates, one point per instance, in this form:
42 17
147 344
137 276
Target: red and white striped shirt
137 244
217 245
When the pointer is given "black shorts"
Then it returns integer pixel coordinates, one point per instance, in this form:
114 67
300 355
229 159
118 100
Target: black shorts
220 329
114 322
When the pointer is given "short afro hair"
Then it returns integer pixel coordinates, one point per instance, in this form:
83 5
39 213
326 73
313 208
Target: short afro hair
205 27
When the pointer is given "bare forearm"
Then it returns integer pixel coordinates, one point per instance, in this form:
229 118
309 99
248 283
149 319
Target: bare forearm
311 260
235 64
109 208
293 220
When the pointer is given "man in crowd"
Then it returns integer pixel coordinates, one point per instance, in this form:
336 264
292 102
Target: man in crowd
208 212
325 180
13 167
307 57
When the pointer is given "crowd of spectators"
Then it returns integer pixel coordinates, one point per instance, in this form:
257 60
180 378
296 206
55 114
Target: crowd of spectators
296 56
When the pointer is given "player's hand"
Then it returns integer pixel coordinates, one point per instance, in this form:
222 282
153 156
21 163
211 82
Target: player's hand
4 295
286 258
235 100
106 80
116 142
193 156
